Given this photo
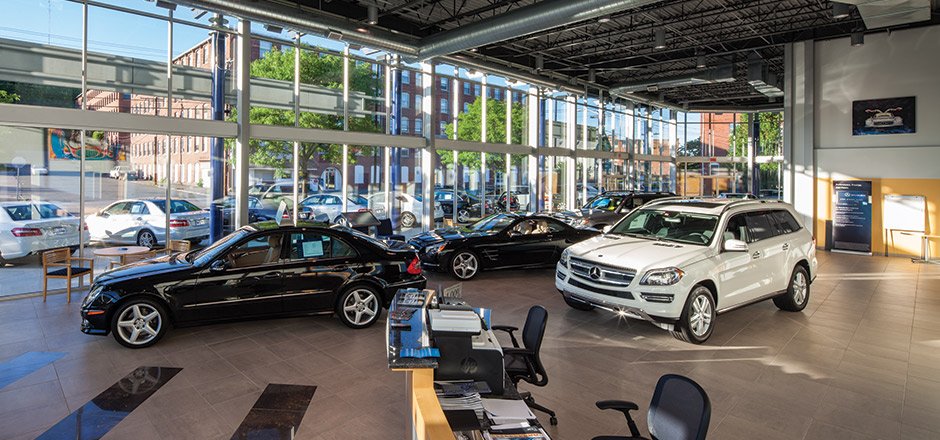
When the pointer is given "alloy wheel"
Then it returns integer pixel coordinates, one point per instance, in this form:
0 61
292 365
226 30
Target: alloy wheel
139 324
463 216
701 318
465 265
799 287
146 239
361 307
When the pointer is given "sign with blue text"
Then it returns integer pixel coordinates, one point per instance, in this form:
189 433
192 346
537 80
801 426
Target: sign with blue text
851 220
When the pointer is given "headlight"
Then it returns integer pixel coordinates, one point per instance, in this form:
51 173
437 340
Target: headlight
435 248
564 257
662 277
93 295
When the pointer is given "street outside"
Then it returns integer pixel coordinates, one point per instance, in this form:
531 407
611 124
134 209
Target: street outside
24 275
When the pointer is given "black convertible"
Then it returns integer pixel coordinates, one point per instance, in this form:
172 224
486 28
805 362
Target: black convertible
501 240
260 270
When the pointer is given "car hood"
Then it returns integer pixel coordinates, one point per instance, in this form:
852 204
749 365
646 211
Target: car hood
638 253
447 234
145 268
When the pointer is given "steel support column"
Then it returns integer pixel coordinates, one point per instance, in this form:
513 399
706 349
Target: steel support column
243 110
217 148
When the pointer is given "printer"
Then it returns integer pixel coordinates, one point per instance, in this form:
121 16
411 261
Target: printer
468 351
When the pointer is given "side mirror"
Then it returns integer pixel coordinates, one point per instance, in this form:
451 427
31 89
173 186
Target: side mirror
607 228
735 246
218 266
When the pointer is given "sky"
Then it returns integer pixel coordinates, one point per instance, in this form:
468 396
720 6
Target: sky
59 23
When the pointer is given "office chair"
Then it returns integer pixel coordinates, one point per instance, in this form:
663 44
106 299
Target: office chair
680 410
384 230
522 362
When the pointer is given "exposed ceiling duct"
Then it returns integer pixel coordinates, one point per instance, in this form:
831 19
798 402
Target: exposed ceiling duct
763 81
886 13
538 17
724 73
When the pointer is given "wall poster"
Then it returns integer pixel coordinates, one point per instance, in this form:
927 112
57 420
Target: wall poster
883 116
851 222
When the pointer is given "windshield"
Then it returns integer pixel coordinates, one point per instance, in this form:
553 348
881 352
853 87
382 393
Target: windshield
495 222
207 254
682 227
605 203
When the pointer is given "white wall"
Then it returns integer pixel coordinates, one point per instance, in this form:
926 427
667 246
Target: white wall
904 63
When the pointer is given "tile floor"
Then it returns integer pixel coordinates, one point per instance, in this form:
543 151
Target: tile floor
861 362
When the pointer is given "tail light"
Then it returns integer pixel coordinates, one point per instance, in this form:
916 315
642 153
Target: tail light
85 226
414 268
179 223
285 215
26 232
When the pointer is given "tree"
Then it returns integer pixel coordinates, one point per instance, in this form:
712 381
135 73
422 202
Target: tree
470 128
8 98
771 136
318 70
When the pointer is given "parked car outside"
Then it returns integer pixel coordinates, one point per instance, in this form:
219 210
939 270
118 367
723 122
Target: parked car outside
680 263
28 228
502 240
259 271
737 196
330 205
123 172
607 208
257 212
411 208
143 222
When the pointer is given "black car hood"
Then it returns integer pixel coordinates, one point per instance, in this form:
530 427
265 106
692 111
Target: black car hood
447 234
144 268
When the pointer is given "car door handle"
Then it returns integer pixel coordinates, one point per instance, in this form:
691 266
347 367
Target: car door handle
271 275
786 246
755 255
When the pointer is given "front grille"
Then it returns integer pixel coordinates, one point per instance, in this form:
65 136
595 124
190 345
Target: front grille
600 290
605 274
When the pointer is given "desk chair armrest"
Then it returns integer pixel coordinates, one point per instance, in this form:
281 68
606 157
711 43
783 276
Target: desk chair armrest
624 407
508 329
518 351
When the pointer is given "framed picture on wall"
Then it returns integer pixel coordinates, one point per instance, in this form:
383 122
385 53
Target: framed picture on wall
883 116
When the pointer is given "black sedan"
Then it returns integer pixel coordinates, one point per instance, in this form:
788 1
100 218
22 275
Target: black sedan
260 270
503 240
257 211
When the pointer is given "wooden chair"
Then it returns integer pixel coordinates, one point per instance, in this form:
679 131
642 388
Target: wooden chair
57 263
128 259
173 247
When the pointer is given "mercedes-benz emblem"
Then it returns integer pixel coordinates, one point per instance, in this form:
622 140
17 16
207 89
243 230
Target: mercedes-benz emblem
595 273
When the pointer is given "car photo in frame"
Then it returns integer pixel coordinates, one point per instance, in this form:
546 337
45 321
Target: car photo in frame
884 116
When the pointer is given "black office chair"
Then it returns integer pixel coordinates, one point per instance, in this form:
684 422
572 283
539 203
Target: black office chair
680 410
523 363
384 230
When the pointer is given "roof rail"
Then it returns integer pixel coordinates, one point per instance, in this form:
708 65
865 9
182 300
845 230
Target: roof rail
747 202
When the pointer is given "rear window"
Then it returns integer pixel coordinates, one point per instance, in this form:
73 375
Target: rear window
176 206
35 211
786 224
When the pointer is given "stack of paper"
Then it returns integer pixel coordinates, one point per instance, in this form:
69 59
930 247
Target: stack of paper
503 411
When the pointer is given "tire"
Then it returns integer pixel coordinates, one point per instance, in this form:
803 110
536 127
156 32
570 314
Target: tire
144 316
359 306
408 220
463 216
797 294
341 220
146 239
464 265
578 305
694 326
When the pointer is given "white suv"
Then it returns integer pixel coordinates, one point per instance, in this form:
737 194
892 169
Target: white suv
678 263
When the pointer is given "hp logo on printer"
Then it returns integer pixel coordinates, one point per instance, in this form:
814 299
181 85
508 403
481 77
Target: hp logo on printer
595 273
469 365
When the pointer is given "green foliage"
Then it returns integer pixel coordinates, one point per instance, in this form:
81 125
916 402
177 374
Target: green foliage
470 128
318 70
771 136
8 98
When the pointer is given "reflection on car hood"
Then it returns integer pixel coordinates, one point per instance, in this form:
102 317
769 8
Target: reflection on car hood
637 253
145 268
447 234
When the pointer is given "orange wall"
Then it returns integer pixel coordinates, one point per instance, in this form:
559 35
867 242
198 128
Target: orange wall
898 244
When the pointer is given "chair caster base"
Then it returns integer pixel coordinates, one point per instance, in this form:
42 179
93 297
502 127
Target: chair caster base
553 421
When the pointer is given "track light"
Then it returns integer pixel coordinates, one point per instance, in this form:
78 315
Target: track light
858 39
840 10
539 62
273 28
660 39
592 75
373 14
